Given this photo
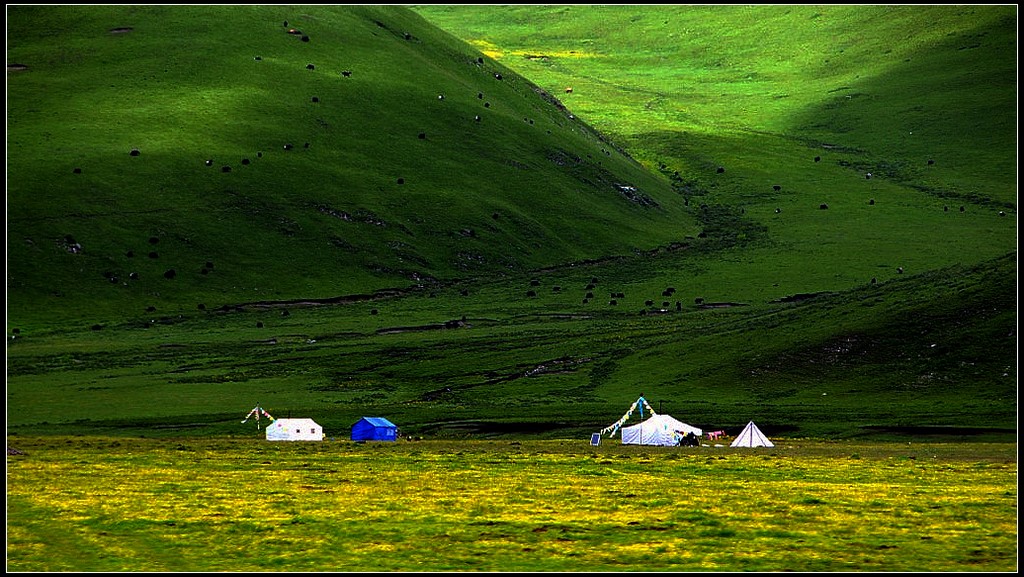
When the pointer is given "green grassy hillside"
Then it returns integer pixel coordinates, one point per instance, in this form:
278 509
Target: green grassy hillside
526 276
386 184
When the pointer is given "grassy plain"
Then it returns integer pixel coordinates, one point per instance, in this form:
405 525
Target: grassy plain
890 314
135 504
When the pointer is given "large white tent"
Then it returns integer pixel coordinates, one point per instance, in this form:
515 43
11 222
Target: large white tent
657 430
660 430
751 436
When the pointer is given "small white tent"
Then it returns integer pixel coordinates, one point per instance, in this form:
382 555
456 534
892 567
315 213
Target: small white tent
295 430
751 437
660 430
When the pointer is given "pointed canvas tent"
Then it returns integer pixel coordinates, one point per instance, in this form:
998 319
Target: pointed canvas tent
660 430
751 436
657 430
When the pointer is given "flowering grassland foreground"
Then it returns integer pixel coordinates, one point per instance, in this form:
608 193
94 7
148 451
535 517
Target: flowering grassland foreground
105 504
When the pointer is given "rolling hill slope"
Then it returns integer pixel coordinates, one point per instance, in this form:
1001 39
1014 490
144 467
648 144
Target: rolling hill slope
367 150
339 211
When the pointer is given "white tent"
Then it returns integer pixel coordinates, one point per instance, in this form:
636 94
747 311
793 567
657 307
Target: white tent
295 430
751 437
660 430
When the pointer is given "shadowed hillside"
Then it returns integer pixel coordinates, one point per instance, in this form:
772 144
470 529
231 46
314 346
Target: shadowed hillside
283 153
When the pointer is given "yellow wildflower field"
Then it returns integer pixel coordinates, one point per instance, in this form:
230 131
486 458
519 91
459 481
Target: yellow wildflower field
106 504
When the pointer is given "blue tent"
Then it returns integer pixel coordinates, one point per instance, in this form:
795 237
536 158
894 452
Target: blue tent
374 429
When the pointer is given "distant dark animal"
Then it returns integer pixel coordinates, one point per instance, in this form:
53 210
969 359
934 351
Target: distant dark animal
1001 213
285 23
698 300
487 104
225 169
556 288
294 31
134 276
568 89
440 96
315 99
259 155
776 188
129 254
613 302
534 282
346 73
871 202
480 95
648 303
310 67
498 76
721 169
201 306
873 280
170 273
288 147
477 118
590 295
373 311
305 38
899 270
479 60
209 265
778 210
150 309
868 175
134 152
930 161
422 136
400 181
285 313
945 209
77 171
817 159
259 324
823 206
305 145
464 292
245 161
257 58
209 162
531 293
593 280
962 209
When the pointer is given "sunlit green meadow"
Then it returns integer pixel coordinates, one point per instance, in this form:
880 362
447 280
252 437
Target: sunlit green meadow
137 504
